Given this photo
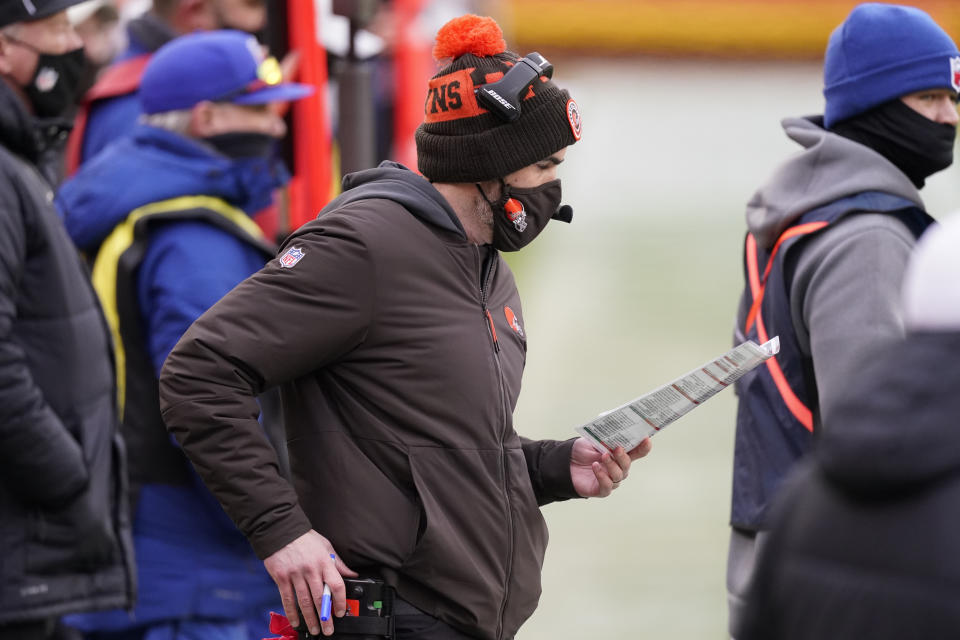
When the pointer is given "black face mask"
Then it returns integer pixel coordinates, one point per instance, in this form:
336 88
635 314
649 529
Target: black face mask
917 145
55 82
241 145
521 214
256 170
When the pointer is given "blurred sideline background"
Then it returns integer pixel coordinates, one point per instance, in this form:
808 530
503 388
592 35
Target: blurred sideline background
681 103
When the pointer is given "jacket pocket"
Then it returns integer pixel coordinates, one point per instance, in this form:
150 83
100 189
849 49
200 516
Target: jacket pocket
78 537
465 548
349 500
484 540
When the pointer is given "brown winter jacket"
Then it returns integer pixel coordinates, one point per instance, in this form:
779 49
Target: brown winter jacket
399 347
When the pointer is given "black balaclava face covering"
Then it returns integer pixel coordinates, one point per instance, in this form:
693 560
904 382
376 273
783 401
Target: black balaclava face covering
239 145
254 166
917 145
521 214
56 81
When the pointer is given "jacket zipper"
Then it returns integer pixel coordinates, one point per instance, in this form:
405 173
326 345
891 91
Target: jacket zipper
488 268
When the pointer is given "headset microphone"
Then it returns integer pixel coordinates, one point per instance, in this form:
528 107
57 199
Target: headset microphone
564 213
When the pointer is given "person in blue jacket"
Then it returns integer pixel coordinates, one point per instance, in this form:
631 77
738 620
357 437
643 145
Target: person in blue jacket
164 218
111 108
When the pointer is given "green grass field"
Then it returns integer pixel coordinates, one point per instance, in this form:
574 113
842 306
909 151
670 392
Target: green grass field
639 290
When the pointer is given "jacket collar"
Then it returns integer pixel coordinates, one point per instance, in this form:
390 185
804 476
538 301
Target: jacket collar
17 126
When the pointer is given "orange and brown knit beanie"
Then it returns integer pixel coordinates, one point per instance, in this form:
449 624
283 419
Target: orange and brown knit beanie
459 140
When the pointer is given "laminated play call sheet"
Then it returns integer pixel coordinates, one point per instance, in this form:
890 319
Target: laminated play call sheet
629 424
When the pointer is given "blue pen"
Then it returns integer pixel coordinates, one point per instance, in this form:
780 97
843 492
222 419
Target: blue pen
325 604
325 600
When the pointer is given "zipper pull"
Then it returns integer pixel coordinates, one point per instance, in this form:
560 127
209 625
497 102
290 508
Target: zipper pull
493 332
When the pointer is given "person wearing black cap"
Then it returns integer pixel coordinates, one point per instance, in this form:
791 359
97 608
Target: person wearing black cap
165 216
63 514
44 64
394 329
829 236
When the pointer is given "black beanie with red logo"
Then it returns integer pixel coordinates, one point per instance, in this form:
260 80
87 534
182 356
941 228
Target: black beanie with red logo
459 140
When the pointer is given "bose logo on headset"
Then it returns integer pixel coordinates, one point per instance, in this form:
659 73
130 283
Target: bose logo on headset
513 84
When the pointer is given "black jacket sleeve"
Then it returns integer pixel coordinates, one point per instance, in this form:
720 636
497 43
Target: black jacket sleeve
40 461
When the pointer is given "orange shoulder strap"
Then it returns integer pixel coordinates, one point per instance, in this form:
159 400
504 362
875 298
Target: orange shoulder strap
758 285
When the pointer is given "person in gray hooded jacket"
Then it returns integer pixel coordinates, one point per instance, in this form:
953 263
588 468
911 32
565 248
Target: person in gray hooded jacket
829 238
865 535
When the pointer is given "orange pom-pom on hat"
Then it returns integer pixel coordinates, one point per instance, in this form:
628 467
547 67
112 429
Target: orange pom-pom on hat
461 141
479 35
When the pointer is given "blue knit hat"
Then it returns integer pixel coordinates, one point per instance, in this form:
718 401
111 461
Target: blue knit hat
881 52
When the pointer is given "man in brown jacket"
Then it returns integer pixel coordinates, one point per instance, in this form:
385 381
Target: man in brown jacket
395 331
